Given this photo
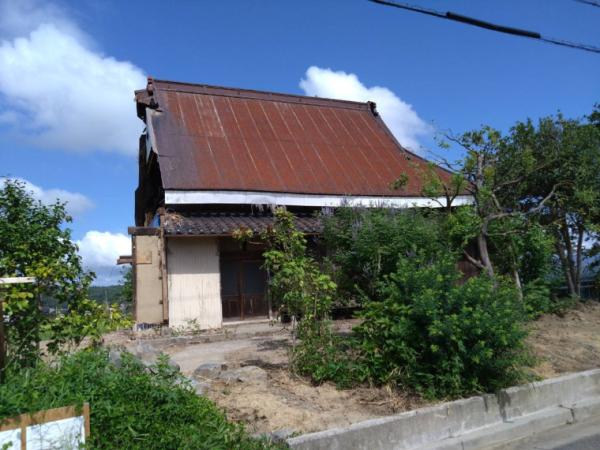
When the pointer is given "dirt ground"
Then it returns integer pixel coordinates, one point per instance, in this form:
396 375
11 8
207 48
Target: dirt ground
567 344
278 400
281 401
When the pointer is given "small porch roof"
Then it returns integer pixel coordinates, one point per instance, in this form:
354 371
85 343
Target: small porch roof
225 223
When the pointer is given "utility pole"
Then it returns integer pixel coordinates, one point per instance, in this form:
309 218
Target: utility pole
3 346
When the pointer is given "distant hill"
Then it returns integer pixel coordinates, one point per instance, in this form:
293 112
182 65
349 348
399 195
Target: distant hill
106 294
101 294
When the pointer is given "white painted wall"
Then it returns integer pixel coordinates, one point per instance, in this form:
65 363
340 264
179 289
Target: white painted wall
194 282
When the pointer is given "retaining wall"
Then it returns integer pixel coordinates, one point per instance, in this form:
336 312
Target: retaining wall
480 422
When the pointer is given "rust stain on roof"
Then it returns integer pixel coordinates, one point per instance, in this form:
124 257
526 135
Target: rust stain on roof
215 138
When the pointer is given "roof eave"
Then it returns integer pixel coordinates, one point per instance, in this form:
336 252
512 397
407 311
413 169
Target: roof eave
216 197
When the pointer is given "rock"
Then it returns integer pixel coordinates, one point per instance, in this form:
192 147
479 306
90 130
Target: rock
276 436
200 387
209 370
227 376
282 435
149 355
251 373
114 356
174 365
244 374
146 352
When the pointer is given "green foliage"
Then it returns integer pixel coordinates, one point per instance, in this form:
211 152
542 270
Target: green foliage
537 299
569 152
325 356
132 406
364 245
117 293
400 182
535 250
441 338
86 319
106 294
421 329
35 243
297 283
305 293
462 226
127 286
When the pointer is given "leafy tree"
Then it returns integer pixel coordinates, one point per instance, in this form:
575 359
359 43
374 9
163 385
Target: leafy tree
539 184
34 242
497 174
569 150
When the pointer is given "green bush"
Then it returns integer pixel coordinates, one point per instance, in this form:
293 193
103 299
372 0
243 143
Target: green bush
296 282
443 339
364 245
324 356
537 299
132 407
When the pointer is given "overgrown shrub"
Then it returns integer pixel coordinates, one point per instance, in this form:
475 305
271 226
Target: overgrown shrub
302 290
132 406
296 282
421 329
537 299
364 245
443 339
326 356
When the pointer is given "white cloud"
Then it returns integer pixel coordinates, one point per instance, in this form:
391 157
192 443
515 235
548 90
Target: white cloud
100 250
76 203
20 17
399 116
66 94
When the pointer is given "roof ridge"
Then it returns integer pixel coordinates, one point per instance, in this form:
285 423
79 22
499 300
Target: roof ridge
207 89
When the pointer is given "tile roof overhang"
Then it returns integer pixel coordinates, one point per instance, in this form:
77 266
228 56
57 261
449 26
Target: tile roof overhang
214 140
225 223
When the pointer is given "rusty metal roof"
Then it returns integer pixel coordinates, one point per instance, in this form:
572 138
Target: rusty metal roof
225 223
214 138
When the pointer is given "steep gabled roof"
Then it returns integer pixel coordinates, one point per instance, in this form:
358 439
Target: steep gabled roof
221 139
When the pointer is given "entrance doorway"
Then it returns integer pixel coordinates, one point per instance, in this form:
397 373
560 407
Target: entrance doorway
243 287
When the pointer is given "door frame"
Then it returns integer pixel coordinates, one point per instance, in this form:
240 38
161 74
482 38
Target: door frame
244 256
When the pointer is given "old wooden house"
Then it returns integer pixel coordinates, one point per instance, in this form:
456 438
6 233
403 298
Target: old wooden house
214 159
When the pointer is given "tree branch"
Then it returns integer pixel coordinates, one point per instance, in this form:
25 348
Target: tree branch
473 261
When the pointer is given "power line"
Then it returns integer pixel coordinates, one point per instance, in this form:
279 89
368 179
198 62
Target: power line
589 2
448 15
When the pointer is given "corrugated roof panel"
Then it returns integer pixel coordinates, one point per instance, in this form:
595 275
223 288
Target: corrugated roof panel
212 138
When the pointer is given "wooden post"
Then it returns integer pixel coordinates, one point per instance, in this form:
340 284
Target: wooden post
164 274
3 339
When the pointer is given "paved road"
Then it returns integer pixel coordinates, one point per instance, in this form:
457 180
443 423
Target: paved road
579 436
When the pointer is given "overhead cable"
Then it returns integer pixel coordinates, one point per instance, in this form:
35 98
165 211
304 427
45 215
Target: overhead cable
448 15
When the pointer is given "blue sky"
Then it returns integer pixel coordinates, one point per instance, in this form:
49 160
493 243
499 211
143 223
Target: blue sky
67 71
